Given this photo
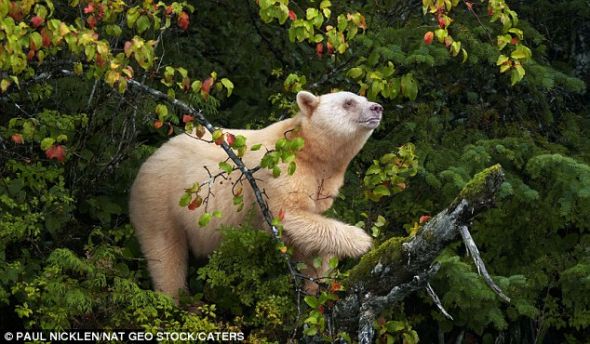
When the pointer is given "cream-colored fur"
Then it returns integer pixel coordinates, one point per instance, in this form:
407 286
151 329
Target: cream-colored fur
334 126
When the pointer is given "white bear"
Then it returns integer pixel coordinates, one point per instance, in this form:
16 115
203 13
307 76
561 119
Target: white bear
334 126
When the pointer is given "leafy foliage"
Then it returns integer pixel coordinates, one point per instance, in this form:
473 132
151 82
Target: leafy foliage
71 145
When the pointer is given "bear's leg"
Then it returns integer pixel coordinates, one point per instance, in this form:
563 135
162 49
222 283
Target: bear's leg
314 234
167 258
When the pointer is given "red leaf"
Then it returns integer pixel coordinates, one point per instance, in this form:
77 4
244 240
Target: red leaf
219 140
100 60
490 11
330 48
57 152
441 22
183 20
158 124
321 309
168 10
230 138
91 22
319 49
100 11
428 37
195 203
448 41
187 118
46 39
127 48
36 21
514 41
335 286
89 8
292 15
31 55
15 12
363 23
206 87
424 218
17 138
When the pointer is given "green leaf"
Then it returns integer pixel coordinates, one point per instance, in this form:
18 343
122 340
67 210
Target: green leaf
217 214
333 262
226 167
317 262
240 141
142 24
62 138
216 134
205 219
521 52
297 143
381 190
256 147
409 86
355 72
517 32
196 86
503 40
47 142
516 74
276 171
310 331
395 326
161 110
185 200
292 167
132 16
311 301
228 85
440 35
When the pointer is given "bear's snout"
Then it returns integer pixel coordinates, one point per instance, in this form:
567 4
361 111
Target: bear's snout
376 108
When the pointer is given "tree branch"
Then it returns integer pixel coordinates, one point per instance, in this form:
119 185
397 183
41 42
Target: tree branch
399 266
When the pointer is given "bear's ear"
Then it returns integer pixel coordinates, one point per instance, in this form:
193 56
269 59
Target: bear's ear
307 102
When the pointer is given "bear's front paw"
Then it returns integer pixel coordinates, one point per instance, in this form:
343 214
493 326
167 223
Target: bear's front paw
358 241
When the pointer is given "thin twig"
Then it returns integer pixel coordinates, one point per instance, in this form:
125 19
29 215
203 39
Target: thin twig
481 268
437 302
469 7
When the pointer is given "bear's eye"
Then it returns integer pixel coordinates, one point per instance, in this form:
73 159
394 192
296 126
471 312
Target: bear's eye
349 103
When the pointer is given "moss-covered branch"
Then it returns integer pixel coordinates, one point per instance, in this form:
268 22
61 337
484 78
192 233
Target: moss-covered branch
400 266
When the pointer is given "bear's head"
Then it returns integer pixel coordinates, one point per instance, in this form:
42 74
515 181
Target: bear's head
343 113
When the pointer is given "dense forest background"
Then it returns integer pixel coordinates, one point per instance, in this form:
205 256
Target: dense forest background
71 145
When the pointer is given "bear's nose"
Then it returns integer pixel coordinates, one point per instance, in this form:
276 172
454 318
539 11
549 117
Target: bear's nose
376 108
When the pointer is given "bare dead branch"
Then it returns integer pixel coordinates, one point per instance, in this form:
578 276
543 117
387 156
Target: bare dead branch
437 302
481 268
